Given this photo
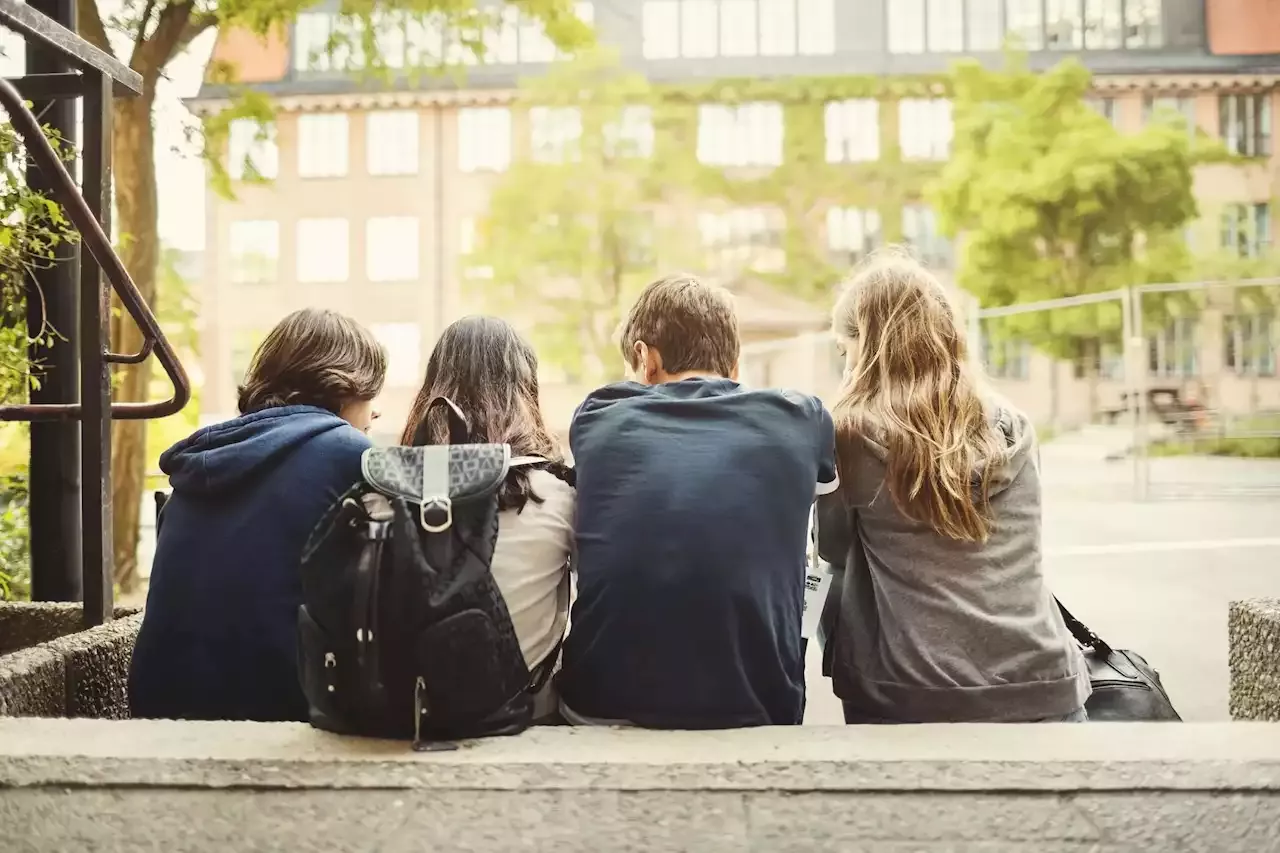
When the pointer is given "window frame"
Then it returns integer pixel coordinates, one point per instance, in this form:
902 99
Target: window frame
327 155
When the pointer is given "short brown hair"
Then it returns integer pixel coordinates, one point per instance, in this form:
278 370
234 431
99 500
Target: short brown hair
314 357
691 323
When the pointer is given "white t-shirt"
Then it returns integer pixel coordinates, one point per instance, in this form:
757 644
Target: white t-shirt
531 565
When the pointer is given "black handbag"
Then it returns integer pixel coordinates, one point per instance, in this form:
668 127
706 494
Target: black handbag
1125 687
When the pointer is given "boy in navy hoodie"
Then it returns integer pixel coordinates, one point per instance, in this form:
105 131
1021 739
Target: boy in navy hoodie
693 506
218 635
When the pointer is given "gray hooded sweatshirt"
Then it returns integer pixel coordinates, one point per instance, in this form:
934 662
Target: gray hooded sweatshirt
931 629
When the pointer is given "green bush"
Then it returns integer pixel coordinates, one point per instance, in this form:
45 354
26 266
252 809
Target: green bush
15 552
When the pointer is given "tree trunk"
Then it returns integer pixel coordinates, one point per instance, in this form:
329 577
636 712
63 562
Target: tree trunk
137 241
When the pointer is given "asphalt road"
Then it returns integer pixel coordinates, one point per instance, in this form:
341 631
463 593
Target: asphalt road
1154 576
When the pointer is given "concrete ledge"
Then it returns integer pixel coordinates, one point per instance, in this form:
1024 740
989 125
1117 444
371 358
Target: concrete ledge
1253 631
91 785
81 674
29 623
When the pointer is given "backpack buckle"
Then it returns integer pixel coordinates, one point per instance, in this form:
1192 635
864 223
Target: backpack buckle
441 510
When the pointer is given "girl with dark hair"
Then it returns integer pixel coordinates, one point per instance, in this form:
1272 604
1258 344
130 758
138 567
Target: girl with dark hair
485 367
217 639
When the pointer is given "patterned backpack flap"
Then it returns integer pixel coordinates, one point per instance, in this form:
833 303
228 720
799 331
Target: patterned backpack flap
437 477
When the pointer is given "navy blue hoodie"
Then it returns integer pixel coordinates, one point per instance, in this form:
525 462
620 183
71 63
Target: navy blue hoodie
217 638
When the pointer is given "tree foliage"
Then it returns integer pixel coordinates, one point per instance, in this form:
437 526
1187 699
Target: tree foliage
1053 201
574 230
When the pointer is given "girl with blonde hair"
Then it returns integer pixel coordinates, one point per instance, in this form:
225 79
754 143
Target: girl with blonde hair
944 615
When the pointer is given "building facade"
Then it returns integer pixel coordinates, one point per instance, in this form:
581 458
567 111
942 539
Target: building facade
376 189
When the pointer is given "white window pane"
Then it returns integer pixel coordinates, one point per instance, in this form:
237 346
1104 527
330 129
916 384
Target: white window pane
403 342
777 27
906 26
817 27
535 46
389 36
254 251
323 250
251 149
322 145
484 139
698 28
1143 24
985 30
946 25
391 248
660 25
310 41
502 38
424 41
1103 26
925 129
391 142
1025 23
738 28
853 130
1064 26
555 132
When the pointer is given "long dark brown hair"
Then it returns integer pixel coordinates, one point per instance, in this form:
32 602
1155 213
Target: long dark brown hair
484 366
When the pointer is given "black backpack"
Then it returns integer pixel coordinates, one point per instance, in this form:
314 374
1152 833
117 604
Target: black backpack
402 632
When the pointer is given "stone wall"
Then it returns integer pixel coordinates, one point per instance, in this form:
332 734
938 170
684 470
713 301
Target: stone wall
101 787
67 672
1253 629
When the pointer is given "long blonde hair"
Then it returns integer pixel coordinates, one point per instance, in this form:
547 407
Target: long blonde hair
912 389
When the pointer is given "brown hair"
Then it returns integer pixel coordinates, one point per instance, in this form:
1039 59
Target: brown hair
913 390
314 357
692 324
485 367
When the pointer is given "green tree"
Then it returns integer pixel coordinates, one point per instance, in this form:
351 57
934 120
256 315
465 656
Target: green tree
33 232
576 227
148 34
1052 201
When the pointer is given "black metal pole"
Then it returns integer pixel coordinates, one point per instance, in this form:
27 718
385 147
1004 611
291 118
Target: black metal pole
53 301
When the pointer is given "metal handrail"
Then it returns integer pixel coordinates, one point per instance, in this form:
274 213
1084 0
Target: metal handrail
99 245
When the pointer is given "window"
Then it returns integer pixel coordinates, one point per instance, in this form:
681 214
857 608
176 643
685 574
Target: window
1246 229
1024 21
322 145
946 26
853 131
924 128
777 27
1006 358
698 28
254 251
323 250
985 27
244 343
738 32
1172 351
920 231
502 39
311 41
468 244
1249 345
424 41
852 232
484 139
1142 26
817 20
1170 106
535 46
632 135
1105 107
403 342
389 37
391 142
555 133
906 26
746 135
1245 124
660 29
1103 24
744 238
251 149
1064 25
391 248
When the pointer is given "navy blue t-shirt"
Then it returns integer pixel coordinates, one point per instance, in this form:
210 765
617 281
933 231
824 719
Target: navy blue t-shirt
693 509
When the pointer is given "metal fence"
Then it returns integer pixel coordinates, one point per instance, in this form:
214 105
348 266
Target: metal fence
1166 383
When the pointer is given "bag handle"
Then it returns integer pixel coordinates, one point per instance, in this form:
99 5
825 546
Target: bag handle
1081 632
459 431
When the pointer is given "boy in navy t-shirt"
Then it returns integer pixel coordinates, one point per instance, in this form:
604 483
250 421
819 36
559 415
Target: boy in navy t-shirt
692 521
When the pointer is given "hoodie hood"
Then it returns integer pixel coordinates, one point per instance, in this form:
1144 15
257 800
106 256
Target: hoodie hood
1019 438
221 457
